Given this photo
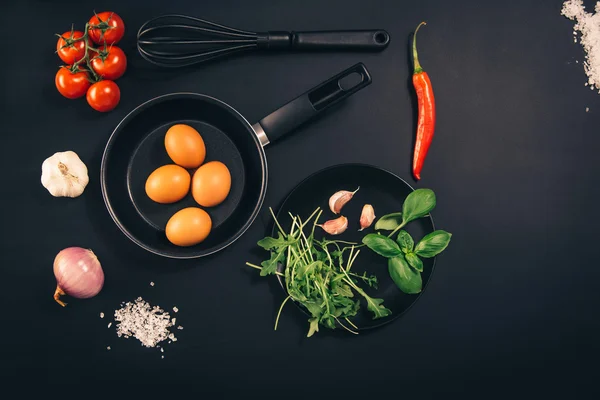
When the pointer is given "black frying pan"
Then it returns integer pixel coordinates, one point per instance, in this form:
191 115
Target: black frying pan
386 193
136 148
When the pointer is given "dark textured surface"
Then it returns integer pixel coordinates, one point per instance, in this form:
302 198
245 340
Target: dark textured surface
512 307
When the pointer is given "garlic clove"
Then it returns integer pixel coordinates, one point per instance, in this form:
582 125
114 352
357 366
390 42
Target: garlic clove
64 174
367 216
335 226
339 200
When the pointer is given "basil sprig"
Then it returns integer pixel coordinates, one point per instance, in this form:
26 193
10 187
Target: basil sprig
405 262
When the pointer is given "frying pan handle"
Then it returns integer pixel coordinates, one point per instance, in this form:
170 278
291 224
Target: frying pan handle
312 103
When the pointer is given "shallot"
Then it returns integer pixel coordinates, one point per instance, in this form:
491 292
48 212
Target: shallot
78 274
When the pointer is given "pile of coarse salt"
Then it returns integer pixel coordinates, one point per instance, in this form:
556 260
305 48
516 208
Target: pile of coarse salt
150 325
588 24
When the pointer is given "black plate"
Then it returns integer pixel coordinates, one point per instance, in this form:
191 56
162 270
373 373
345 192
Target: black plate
386 193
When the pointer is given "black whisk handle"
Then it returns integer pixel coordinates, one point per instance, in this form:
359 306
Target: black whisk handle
368 40
274 40
341 40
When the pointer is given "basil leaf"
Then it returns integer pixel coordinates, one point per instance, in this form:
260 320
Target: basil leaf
414 261
417 204
382 245
389 222
270 266
433 244
405 241
406 278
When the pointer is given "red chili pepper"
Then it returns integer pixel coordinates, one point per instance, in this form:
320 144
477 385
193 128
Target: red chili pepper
426 103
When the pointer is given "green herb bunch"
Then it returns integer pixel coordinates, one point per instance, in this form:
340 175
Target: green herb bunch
404 258
317 275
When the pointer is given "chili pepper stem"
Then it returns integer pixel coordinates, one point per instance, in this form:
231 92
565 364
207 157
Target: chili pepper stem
417 65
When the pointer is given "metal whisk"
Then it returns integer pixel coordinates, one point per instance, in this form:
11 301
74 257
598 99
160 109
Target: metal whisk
180 40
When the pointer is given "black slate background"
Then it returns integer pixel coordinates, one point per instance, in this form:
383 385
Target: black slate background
512 308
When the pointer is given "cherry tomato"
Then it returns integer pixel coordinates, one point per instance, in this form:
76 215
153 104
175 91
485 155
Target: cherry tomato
103 96
69 49
111 63
106 26
71 85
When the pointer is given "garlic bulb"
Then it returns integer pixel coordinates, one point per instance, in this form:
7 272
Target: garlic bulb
64 174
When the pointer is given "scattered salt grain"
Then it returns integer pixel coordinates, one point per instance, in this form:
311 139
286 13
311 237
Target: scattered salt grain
587 109
109 324
108 348
175 309
151 283
162 350
150 325
101 315
180 327
162 357
588 24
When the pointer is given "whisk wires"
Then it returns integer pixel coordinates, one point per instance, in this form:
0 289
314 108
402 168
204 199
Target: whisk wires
179 40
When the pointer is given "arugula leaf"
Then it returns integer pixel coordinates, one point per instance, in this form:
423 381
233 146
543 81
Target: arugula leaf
329 321
341 289
345 307
270 243
320 255
382 245
306 269
379 310
314 326
313 308
414 261
317 277
417 204
405 241
433 244
269 266
407 279
296 294
389 222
